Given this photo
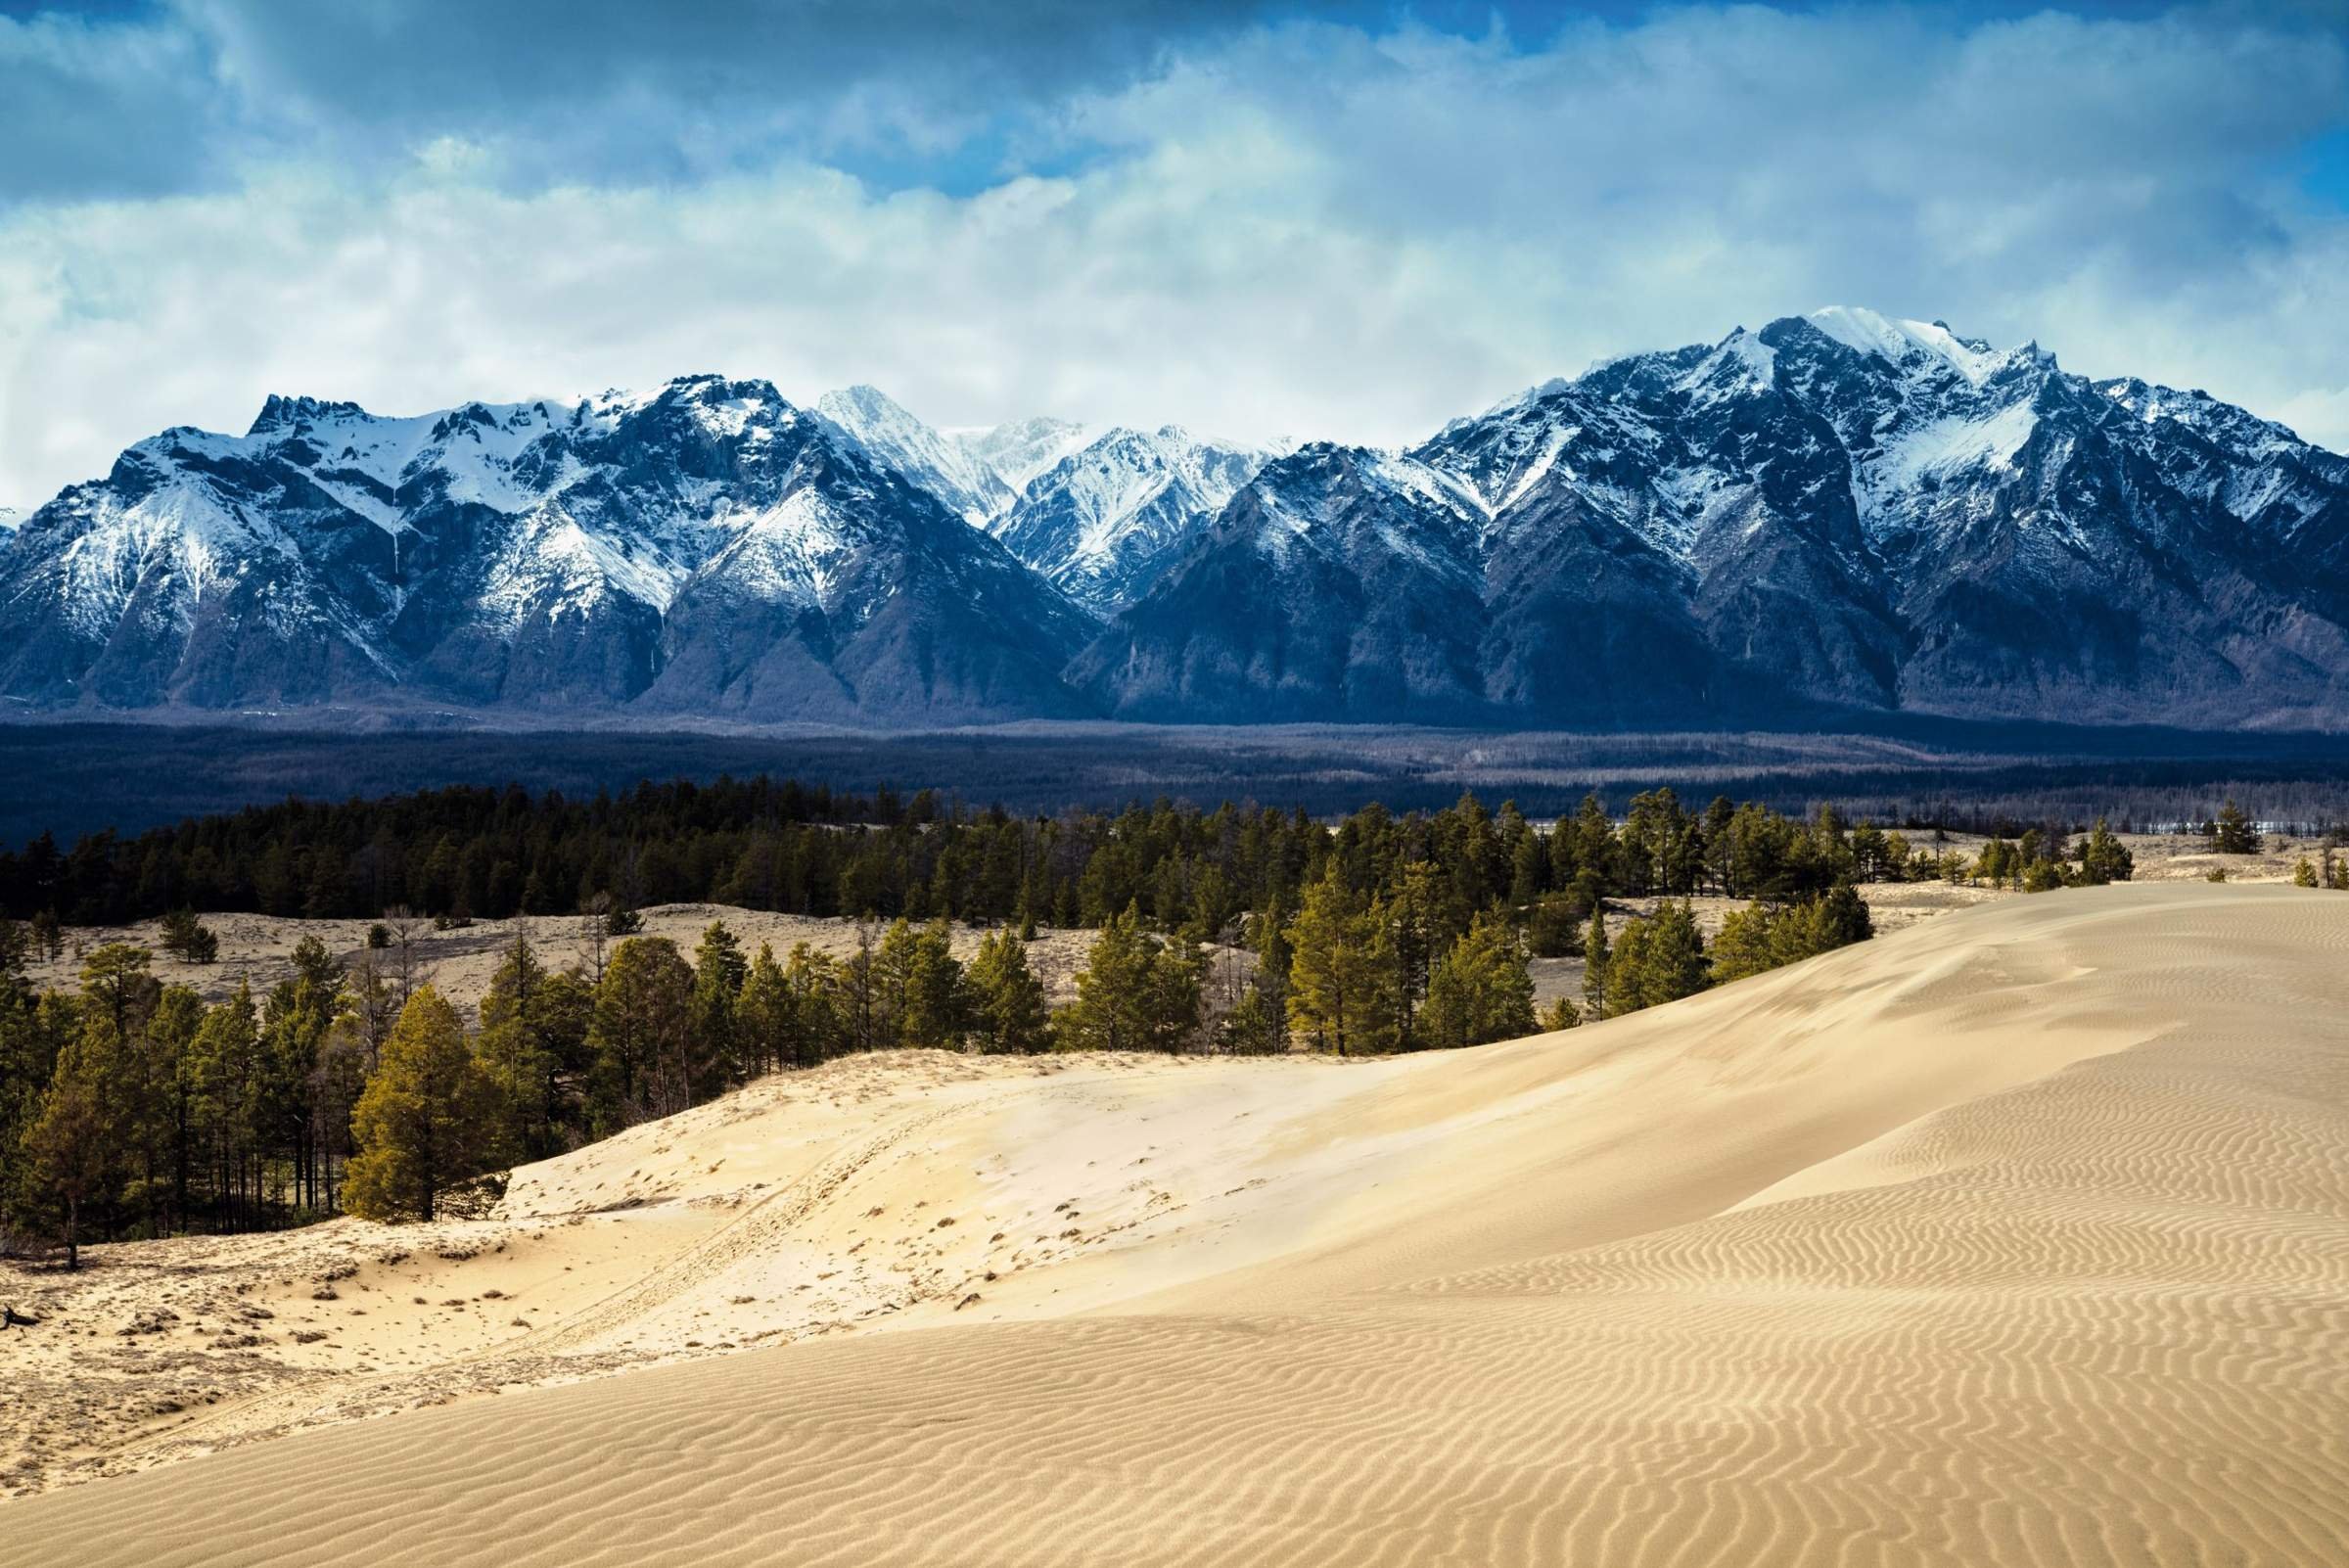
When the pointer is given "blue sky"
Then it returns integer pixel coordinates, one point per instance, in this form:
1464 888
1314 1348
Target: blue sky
1353 220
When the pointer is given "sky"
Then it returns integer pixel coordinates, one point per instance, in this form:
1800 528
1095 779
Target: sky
1346 220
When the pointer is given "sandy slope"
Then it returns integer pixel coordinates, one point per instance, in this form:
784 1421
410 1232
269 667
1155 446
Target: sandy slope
2017 1237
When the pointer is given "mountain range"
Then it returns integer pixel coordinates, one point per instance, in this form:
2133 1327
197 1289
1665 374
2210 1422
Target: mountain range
1834 516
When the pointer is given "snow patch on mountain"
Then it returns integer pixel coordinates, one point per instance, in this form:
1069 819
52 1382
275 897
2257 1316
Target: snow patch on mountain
1945 446
787 554
559 566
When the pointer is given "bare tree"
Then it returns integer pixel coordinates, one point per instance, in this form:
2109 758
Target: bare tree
407 929
595 932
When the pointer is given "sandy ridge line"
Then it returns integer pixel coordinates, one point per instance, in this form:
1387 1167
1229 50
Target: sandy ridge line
542 1351
778 1212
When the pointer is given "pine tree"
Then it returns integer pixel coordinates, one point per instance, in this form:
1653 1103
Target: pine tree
1257 1025
715 1062
1007 1001
296 1019
518 1052
1744 945
817 995
2304 874
1339 987
2103 857
68 1150
641 1035
892 964
2232 833
1559 1014
933 1002
1415 923
1550 932
1172 1005
171 1034
426 1122
1596 958
225 1063
114 979
189 938
1480 989
1659 959
1842 917
861 1013
1111 1009
768 1015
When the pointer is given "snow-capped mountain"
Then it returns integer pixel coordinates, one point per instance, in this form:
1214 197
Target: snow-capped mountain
1102 522
948 469
709 548
1836 515
1339 581
1017 452
1837 511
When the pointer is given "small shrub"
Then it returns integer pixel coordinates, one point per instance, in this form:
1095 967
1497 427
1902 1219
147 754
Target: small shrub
188 939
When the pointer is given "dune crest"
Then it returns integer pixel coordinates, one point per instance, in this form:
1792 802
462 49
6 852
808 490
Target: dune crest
2019 1237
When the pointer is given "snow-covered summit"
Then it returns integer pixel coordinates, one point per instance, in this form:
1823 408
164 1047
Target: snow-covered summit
1841 509
947 469
1021 448
1100 523
1909 342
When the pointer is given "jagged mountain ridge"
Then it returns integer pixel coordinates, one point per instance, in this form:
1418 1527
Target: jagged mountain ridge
1838 512
1104 521
1098 514
709 549
1833 515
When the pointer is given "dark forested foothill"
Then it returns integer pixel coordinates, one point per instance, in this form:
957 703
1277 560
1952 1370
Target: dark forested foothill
763 845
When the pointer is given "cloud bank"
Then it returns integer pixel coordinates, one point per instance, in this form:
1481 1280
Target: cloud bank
1250 221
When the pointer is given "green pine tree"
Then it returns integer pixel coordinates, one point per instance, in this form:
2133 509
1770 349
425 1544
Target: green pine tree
716 1061
426 1120
1007 1001
1596 958
1480 989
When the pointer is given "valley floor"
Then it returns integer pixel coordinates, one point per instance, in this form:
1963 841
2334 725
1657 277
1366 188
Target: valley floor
2020 1236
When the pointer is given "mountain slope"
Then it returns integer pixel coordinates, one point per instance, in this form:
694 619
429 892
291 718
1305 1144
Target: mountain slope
1836 516
706 549
1842 513
1339 582
968 484
1101 523
1018 452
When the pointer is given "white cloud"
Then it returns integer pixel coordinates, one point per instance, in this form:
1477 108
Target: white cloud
1301 230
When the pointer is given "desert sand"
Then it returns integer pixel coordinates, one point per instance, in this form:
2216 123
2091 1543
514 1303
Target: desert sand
2017 1236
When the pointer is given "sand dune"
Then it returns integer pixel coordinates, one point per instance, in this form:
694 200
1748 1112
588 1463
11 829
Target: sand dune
2021 1237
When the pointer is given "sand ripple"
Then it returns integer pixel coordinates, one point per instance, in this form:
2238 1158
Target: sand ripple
2093 1315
